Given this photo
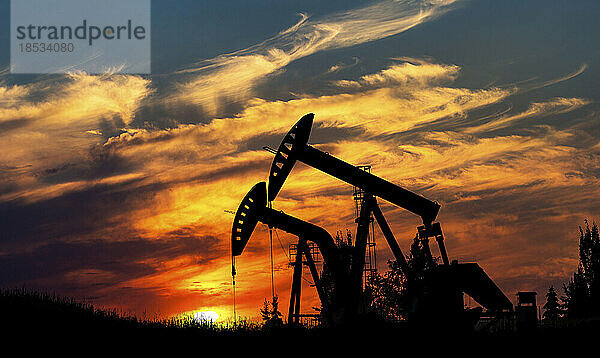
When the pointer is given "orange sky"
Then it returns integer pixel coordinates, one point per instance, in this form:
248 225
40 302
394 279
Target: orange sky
133 210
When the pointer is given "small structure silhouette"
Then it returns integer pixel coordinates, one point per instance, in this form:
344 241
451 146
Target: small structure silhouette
526 311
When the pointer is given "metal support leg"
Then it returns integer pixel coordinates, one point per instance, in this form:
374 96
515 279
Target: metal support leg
302 248
315 275
435 230
389 236
440 241
358 258
296 284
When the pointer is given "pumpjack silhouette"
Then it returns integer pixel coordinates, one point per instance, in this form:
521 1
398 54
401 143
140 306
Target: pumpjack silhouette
441 300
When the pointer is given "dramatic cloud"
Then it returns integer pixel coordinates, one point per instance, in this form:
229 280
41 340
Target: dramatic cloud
232 77
128 211
553 107
46 127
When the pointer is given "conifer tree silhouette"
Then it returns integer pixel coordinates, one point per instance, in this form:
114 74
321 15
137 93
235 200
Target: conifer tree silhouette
582 292
552 308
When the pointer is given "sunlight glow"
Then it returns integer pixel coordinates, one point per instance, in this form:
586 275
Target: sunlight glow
206 316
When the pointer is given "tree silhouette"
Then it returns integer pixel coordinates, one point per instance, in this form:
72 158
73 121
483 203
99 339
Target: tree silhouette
388 293
420 262
334 288
589 251
552 308
393 294
582 293
270 313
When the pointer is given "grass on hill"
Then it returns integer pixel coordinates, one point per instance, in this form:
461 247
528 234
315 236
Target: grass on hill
31 312
36 314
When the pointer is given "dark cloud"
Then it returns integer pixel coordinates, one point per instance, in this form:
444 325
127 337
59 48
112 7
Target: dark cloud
75 213
13 124
97 270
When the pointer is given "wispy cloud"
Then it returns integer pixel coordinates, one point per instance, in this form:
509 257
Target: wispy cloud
566 77
77 100
410 72
49 123
234 76
537 109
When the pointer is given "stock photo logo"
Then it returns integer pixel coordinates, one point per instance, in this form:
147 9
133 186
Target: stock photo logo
62 36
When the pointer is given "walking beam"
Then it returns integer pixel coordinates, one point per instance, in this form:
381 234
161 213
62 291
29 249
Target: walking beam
294 148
